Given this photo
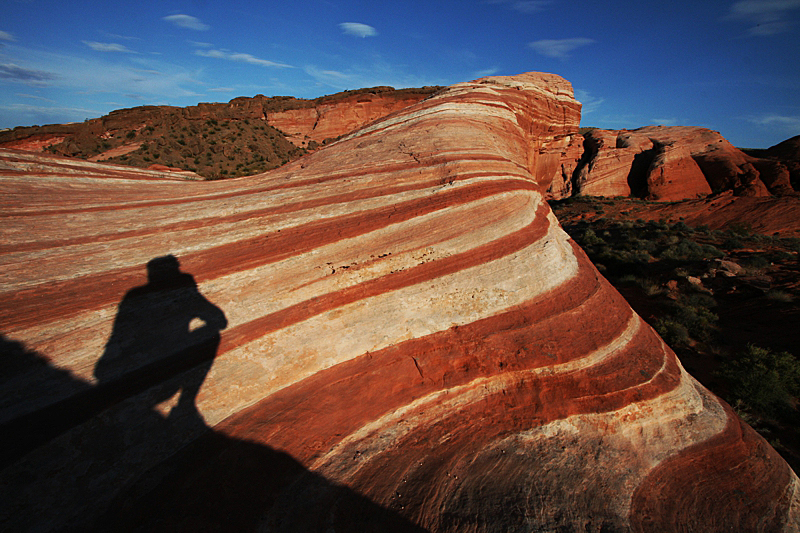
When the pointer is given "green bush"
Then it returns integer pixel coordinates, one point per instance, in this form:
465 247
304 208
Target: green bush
674 334
590 238
762 380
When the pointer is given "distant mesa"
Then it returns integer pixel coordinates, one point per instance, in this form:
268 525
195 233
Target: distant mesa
391 333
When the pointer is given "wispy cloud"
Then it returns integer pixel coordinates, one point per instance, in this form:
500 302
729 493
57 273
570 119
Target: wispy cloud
222 90
30 76
118 36
524 6
48 115
768 17
486 72
200 45
783 122
332 78
36 97
664 121
559 48
243 58
187 21
5 36
108 47
357 29
102 74
589 103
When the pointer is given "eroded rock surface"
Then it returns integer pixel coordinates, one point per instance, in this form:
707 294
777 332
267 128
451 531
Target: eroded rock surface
668 164
390 334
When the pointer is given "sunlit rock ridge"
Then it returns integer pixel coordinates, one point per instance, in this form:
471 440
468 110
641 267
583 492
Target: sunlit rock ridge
390 334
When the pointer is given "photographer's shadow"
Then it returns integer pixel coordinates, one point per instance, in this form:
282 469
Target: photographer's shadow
162 330
163 343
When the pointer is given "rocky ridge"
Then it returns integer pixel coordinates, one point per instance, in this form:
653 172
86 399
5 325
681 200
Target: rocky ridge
390 334
216 140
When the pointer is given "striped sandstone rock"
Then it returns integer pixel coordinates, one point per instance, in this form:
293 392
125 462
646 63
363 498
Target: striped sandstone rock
390 334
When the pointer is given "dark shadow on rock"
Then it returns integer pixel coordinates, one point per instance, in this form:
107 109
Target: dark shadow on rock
637 176
133 453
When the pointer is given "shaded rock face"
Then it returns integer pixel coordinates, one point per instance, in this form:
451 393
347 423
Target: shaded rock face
390 334
669 164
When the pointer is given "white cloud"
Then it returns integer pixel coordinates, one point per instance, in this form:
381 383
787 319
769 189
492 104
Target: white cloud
244 58
357 29
664 121
222 90
589 103
187 21
5 36
524 6
107 47
559 48
767 16
486 72
785 123
200 45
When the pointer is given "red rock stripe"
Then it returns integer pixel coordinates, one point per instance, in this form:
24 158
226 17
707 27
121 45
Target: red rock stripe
52 300
459 355
501 247
360 194
137 202
731 482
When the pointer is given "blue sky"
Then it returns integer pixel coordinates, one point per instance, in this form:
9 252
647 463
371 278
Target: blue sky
732 66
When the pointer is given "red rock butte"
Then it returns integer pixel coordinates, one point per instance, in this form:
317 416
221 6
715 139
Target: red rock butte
390 334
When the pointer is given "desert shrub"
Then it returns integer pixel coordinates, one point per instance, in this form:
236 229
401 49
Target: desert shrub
699 299
732 242
762 379
755 262
792 243
674 334
131 134
779 296
698 320
590 238
740 228
682 227
687 249
643 244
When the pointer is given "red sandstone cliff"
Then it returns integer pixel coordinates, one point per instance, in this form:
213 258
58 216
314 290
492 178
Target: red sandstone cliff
666 164
390 334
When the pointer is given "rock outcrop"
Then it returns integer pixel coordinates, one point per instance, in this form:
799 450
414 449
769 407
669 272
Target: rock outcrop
668 164
390 334
217 140
330 119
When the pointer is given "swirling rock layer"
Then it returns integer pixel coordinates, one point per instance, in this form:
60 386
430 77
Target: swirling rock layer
392 333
